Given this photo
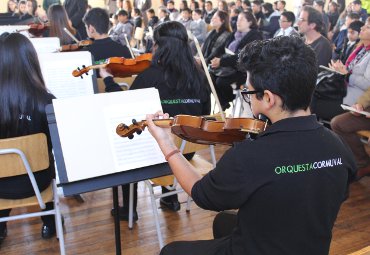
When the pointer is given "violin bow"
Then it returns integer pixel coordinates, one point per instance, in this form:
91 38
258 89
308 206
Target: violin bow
71 35
208 76
129 46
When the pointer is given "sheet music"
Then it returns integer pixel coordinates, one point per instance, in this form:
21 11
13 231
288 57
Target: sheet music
46 44
14 29
57 70
349 108
87 131
136 152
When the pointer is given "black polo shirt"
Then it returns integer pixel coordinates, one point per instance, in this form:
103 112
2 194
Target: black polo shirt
288 185
106 48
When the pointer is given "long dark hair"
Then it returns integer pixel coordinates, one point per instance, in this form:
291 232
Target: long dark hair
224 17
58 19
22 86
173 53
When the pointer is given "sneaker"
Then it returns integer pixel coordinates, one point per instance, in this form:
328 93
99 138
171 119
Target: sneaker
172 205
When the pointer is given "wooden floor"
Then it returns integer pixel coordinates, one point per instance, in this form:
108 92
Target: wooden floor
89 226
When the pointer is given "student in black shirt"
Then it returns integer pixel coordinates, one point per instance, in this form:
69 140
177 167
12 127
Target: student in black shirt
103 47
289 182
23 99
182 87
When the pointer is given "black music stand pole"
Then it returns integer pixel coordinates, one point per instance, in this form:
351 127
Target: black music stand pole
117 231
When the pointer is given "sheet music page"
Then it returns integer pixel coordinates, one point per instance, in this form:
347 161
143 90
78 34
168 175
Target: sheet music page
57 70
140 151
46 44
87 131
14 29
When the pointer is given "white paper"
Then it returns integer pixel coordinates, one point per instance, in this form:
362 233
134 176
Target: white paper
349 108
330 70
227 51
57 70
14 29
87 131
46 44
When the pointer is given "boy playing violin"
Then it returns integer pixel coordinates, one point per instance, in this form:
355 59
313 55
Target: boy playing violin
288 183
97 24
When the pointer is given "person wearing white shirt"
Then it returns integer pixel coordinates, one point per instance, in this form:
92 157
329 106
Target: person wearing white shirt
286 23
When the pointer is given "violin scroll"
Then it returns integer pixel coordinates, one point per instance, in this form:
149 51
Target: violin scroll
128 131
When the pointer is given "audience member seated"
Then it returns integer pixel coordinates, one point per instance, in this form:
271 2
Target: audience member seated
271 22
286 22
185 18
346 126
311 25
22 112
163 15
342 35
123 29
257 11
214 45
353 37
333 14
198 28
223 69
357 8
357 71
319 6
233 18
171 6
58 20
12 7
136 18
152 19
23 11
208 12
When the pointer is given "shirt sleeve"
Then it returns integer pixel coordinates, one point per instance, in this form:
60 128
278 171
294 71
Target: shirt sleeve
229 185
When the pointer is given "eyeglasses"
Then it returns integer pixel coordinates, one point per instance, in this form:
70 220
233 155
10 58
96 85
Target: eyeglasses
246 94
301 20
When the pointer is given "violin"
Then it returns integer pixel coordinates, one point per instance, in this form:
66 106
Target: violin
75 46
120 66
198 129
35 29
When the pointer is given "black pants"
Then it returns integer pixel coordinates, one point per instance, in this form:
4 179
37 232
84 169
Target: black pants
223 225
48 220
224 89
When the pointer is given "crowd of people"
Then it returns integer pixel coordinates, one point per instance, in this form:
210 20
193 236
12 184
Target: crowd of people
275 53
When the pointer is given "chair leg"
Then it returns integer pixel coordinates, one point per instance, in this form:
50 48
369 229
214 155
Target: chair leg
58 220
188 202
131 206
155 212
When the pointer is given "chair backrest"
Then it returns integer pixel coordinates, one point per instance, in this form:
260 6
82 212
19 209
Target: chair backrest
34 147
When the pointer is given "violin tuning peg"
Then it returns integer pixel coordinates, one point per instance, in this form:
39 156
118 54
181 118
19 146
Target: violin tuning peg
134 121
78 69
130 137
139 132
81 77
83 66
124 126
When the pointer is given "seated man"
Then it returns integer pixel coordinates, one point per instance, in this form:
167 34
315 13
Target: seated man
289 182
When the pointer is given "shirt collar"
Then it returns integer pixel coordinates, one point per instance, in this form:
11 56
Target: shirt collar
292 125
